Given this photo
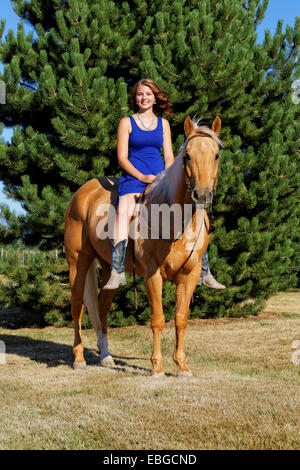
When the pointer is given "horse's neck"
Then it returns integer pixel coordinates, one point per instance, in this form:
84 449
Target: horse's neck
183 198
180 206
181 195
170 188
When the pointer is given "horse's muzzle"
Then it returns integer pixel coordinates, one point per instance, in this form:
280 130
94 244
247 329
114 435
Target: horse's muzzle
202 196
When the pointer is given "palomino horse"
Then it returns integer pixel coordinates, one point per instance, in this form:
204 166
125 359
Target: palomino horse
190 181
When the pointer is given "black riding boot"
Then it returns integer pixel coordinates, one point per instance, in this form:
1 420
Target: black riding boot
117 274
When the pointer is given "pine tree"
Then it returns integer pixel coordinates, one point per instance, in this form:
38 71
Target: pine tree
68 86
36 288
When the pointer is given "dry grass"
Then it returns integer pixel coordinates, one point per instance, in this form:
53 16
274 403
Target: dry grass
244 393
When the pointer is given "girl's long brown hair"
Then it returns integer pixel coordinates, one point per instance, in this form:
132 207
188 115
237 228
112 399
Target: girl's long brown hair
162 105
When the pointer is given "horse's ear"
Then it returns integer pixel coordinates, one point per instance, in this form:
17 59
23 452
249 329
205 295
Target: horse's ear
188 126
216 125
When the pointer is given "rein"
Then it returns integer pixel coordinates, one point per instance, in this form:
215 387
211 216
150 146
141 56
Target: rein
172 241
185 159
141 198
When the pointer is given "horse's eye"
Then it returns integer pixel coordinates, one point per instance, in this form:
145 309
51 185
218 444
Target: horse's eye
217 156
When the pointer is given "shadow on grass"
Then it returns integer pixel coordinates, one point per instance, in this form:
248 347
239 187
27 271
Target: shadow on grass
44 351
56 354
122 366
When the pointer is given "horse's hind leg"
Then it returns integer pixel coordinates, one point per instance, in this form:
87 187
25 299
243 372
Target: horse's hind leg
78 267
105 298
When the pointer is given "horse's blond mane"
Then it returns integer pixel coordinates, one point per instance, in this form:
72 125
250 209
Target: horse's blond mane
164 188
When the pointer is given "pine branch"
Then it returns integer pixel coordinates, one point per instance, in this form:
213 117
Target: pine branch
170 72
286 61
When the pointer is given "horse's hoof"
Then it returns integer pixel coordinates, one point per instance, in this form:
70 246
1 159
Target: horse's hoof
157 375
184 373
107 362
79 365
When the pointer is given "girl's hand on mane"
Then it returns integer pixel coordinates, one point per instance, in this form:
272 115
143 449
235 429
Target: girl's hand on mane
148 178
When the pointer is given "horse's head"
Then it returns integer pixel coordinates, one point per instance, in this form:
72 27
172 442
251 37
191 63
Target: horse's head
202 159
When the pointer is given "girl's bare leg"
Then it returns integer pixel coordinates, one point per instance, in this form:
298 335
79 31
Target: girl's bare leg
123 215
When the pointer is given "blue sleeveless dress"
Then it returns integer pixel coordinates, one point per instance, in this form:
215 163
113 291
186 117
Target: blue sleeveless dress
145 155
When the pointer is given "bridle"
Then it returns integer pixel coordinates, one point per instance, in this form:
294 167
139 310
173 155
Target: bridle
186 157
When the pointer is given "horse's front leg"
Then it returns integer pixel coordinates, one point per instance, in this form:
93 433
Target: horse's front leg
154 294
185 286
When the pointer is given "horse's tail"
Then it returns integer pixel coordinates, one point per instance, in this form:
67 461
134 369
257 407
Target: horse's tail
90 296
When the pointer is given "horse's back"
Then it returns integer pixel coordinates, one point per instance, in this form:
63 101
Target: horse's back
103 189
